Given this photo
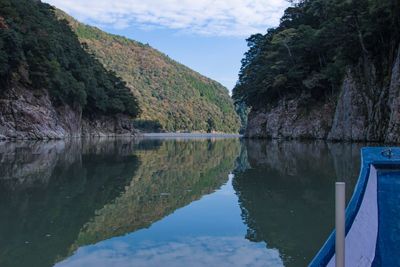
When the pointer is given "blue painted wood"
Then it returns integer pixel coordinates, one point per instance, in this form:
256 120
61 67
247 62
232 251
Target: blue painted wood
369 156
388 241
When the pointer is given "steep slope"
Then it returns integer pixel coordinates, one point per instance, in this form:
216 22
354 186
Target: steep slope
330 70
169 93
50 87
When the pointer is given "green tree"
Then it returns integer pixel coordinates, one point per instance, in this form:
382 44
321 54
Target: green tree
34 40
309 52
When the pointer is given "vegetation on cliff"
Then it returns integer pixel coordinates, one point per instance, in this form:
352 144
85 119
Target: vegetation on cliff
172 97
42 52
312 48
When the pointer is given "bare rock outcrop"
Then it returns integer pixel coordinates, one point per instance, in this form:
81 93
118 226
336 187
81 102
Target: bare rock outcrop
367 109
350 116
393 131
30 114
290 120
361 112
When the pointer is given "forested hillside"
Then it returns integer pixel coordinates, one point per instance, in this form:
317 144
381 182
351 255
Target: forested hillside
42 52
172 97
330 70
315 43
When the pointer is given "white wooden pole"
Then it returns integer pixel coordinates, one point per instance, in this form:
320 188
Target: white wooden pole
340 203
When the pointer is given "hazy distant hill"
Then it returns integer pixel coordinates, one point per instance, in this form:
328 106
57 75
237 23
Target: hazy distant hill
169 93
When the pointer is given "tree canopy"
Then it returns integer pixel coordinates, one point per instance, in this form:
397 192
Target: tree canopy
311 49
172 96
33 40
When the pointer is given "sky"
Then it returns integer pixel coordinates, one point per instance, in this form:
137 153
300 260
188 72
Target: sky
205 35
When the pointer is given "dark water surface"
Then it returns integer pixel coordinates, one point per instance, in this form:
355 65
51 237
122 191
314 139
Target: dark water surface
168 202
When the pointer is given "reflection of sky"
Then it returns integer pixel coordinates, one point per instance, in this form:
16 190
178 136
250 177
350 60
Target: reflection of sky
209 232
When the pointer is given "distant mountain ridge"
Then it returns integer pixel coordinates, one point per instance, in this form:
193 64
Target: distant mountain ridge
172 97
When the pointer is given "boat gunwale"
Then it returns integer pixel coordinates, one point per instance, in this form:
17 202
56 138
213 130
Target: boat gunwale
370 156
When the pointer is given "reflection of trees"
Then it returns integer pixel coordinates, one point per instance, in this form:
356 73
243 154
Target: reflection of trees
48 191
169 178
55 194
287 196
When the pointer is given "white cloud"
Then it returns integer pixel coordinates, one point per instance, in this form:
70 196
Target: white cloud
196 252
205 17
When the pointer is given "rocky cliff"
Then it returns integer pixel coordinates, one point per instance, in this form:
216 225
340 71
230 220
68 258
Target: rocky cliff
50 87
289 119
365 110
30 114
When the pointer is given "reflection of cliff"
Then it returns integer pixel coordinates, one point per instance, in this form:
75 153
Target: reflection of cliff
167 179
340 161
295 184
242 161
48 191
27 164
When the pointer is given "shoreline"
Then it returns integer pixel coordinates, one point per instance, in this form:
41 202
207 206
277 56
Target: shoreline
188 135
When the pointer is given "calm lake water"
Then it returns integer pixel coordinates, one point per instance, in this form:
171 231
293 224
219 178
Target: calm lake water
169 202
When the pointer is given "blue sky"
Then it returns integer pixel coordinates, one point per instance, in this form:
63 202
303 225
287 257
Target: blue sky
205 35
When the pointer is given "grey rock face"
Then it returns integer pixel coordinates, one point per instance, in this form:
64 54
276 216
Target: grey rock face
393 131
29 114
366 110
361 112
289 120
105 126
350 118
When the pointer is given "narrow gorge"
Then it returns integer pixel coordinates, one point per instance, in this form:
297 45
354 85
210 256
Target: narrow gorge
363 111
329 71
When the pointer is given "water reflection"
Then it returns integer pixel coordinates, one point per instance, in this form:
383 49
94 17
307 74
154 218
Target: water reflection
286 197
205 233
58 196
221 202
168 178
49 190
